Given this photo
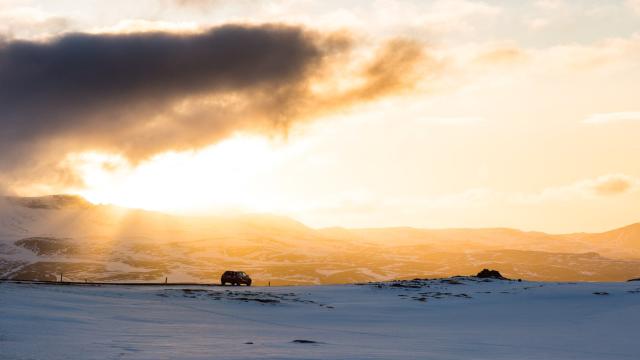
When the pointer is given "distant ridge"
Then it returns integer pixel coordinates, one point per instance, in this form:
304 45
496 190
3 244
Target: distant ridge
62 201
50 202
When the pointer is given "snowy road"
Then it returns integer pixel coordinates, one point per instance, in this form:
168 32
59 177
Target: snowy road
434 320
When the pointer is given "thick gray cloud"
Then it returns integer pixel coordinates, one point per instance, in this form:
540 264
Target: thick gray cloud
97 83
143 93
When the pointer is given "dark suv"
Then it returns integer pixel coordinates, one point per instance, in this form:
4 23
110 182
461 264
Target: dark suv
235 278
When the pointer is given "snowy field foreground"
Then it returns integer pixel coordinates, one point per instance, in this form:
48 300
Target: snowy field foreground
436 319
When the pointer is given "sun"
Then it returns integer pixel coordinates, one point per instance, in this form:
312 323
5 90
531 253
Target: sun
224 176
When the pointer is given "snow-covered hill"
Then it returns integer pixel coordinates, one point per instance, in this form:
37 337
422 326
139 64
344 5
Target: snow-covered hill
46 237
461 318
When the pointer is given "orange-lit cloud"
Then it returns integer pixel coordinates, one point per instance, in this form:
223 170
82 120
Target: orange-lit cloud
614 184
501 55
602 186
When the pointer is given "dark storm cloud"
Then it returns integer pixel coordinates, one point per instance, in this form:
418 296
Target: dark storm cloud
144 93
95 83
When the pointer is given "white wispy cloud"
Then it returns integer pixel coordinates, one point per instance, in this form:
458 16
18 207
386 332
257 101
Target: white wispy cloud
601 186
31 22
538 23
548 4
603 118
634 5
456 120
605 185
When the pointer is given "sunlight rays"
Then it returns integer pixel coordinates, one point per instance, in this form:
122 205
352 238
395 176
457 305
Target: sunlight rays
225 176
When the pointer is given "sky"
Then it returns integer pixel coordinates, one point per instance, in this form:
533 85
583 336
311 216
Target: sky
434 114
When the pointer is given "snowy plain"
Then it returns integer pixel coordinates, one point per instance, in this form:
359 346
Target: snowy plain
461 318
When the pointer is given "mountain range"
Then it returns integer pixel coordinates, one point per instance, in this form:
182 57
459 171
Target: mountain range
43 238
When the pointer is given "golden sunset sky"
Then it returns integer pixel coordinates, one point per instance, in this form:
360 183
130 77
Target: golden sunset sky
457 113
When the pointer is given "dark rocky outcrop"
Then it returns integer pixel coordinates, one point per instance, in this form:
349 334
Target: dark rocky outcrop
490 274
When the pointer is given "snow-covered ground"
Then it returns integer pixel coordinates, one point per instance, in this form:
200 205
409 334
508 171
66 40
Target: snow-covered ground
411 320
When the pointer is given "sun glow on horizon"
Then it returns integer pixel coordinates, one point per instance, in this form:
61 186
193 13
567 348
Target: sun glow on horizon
221 177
